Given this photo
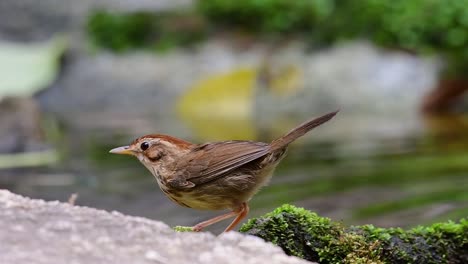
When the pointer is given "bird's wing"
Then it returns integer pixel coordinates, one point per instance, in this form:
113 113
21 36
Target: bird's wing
210 161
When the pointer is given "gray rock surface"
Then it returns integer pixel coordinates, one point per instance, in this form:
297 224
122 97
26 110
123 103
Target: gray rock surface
35 231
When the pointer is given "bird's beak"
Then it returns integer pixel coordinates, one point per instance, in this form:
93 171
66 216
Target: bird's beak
125 150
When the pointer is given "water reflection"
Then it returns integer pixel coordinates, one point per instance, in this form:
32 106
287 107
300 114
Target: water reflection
395 181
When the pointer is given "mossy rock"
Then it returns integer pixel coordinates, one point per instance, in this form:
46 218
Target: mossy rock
304 234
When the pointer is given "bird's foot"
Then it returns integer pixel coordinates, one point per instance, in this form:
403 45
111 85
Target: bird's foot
197 228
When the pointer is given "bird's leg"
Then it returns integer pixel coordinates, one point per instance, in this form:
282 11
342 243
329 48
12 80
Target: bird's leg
242 212
200 226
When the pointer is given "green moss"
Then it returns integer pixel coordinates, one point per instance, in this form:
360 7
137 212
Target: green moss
304 234
144 30
286 221
267 15
182 228
120 32
419 24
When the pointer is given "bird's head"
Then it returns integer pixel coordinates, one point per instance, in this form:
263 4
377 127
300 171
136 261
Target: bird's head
155 149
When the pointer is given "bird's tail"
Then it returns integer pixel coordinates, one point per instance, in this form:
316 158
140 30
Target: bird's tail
300 131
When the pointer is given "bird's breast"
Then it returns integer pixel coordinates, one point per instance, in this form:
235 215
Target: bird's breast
197 199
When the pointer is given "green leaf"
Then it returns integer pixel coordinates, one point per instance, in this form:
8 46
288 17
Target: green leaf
28 68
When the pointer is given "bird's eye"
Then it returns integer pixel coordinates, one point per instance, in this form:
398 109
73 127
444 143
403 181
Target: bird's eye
144 146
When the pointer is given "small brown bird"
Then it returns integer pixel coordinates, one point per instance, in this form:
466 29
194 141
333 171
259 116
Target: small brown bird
216 175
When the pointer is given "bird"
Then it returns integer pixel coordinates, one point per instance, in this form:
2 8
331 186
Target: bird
215 175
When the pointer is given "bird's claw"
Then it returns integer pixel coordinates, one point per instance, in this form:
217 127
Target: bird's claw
197 228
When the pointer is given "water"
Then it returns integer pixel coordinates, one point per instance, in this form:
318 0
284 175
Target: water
403 180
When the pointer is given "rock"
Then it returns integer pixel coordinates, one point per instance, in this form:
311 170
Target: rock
305 234
35 231
20 128
131 91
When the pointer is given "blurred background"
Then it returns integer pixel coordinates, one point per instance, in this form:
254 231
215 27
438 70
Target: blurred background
78 78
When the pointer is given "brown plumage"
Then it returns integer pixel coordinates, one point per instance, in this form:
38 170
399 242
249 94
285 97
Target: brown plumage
217 175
